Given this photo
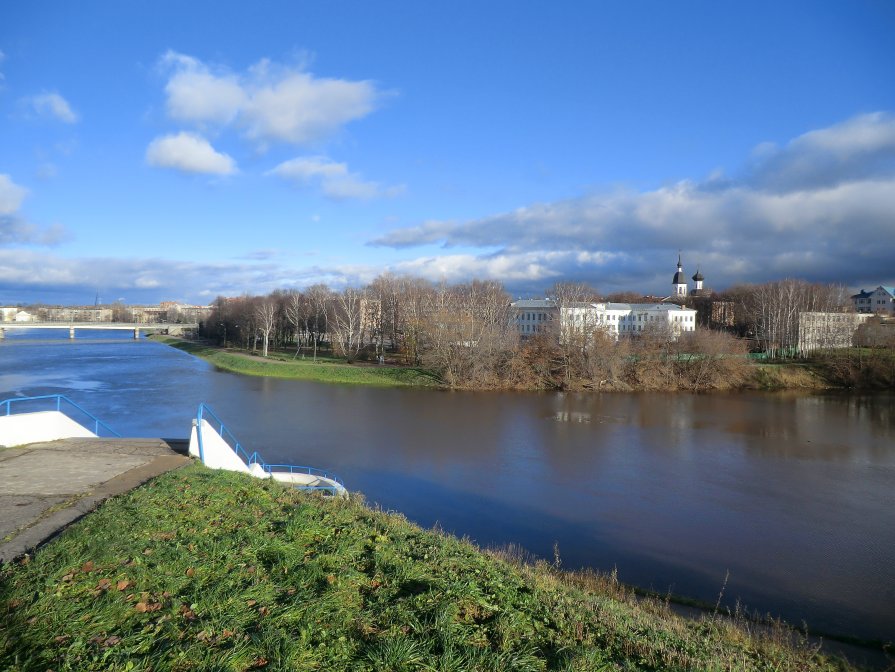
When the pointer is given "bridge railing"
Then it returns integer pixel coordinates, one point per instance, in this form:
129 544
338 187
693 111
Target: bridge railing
205 413
60 403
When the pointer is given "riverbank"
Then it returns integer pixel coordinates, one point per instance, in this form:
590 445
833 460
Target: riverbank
278 365
754 375
209 570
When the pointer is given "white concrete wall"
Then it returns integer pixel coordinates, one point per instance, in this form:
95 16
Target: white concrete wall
16 430
217 453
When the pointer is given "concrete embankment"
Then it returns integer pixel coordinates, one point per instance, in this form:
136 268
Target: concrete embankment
46 486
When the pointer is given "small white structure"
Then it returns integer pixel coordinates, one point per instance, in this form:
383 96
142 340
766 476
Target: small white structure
17 430
209 446
24 316
46 418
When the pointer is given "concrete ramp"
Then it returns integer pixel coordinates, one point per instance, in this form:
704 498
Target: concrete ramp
45 486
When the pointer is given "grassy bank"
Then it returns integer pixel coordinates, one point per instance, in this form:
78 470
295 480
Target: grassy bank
786 376
202 570
326 371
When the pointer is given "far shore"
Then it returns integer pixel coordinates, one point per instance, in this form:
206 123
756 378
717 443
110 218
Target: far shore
303 367
783 376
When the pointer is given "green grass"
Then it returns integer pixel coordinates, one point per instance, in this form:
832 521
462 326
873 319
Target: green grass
203 570
326 370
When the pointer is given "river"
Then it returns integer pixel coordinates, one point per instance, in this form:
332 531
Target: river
791 497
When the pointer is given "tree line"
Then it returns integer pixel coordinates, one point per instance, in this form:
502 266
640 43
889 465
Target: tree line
465 333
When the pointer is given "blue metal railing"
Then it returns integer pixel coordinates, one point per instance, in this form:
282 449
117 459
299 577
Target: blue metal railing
205 413
59 399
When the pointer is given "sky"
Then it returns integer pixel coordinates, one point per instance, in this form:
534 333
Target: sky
159 150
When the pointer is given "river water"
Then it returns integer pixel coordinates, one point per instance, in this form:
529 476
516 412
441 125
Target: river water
791 497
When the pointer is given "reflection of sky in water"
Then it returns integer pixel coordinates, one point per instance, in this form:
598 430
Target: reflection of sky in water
793 495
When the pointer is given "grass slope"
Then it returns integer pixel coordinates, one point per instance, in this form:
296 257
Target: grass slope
327 371
202 570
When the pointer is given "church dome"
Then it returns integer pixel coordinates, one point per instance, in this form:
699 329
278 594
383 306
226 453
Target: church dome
698 277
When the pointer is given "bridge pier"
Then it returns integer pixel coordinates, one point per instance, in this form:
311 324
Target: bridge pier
136 332
71 332
2 333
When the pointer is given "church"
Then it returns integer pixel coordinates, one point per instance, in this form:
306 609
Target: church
679 283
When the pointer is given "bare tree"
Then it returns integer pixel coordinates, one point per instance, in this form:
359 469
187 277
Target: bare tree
266 315
318 299
347 318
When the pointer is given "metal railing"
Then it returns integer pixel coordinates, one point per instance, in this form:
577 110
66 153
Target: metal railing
58 402
205 413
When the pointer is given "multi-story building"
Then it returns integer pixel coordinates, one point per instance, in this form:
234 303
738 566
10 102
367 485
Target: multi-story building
824 331
543 316
881 301
534 316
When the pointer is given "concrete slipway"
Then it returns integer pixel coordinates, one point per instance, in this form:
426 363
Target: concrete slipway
45 486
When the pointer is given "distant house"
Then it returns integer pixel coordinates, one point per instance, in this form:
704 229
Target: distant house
880 301
24 316
8 313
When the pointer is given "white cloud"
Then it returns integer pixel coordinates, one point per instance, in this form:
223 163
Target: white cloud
299 108
11 195
821 208
858 148
197 95
15 229
189 153
52 105
269 102
334 179
45 276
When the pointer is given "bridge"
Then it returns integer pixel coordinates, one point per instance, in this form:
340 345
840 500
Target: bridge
166 327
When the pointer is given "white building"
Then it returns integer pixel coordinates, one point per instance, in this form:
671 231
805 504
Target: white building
534 316
824 331
627 319
881 301
8 313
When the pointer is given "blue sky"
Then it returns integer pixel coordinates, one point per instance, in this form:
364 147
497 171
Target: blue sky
160 150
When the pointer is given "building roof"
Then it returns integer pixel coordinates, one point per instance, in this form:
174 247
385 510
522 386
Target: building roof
534 303
678 278
698 277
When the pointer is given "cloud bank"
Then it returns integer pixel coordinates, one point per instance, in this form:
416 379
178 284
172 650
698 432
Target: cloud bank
820 207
